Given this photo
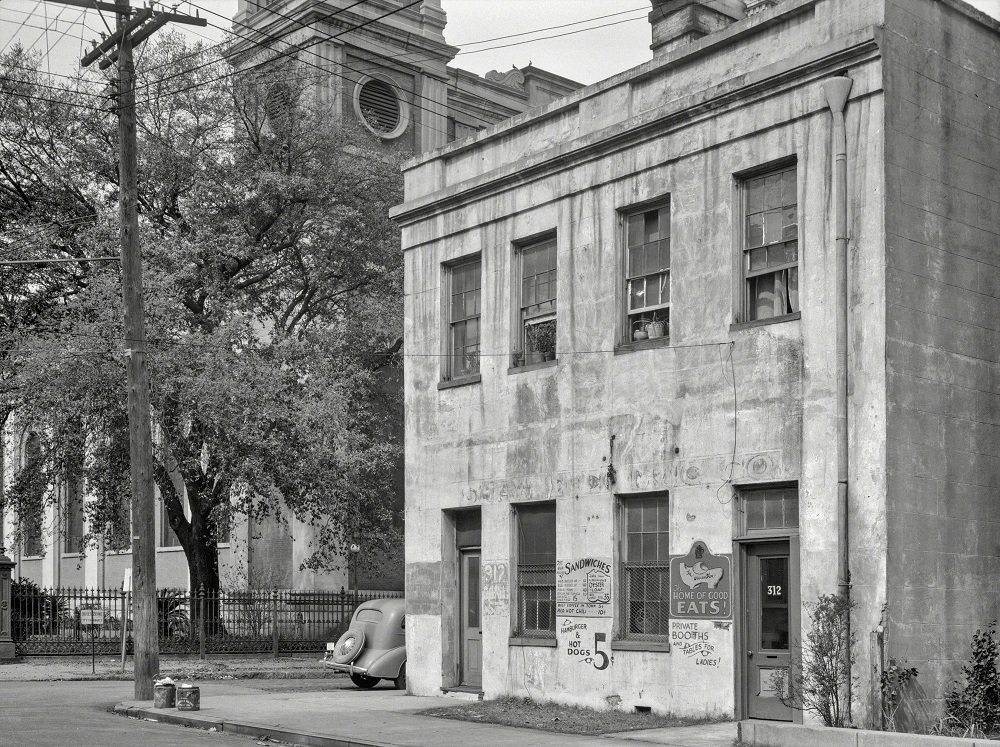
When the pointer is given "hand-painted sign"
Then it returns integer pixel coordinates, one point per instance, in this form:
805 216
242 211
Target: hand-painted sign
583 588
701 584
586 641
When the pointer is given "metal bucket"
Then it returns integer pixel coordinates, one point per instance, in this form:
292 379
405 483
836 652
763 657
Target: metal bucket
163 696
188 698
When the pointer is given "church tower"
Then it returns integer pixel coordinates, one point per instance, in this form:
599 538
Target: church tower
387 65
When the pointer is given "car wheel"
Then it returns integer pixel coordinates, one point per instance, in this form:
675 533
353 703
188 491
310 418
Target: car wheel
364 681
349 646
400 681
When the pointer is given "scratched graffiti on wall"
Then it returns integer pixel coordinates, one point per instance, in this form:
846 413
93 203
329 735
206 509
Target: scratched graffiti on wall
496 588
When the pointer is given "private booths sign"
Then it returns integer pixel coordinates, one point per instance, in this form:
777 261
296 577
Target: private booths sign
701 584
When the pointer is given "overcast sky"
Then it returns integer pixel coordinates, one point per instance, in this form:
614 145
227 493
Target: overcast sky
617 39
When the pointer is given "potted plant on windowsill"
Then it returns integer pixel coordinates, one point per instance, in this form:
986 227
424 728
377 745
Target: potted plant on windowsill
541 340
640 329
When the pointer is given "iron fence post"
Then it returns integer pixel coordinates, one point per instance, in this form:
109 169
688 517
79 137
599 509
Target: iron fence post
274 624
201 621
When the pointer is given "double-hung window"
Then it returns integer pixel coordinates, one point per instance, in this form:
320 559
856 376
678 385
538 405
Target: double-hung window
537 303
770 245
32 481
536 569
645 568
464 308
647 273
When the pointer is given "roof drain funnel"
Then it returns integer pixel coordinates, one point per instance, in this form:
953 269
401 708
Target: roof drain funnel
837 90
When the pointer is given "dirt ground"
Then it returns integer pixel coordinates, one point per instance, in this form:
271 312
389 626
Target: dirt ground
245 667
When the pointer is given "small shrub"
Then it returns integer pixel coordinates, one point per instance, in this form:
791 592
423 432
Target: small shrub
974 707
823 685
33 611
893 682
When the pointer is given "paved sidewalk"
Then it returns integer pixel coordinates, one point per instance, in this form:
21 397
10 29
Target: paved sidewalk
333 713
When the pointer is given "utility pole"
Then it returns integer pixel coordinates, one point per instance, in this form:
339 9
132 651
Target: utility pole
132 28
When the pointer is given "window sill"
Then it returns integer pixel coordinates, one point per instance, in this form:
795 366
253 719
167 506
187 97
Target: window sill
524 641
764 322
532 366
633 645
171 548
631 347
460 381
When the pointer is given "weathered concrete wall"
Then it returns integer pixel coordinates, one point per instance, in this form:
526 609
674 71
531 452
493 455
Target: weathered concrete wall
684 130
943 326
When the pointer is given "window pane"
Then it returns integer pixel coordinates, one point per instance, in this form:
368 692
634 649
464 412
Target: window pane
788 191
772 191
790 225
757 258
635 260
664 245
650 227
634 229
772 226
637 293
755 229
755 195
537 534
793 289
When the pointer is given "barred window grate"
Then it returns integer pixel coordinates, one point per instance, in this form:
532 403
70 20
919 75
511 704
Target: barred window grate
536 586
647 605
646 568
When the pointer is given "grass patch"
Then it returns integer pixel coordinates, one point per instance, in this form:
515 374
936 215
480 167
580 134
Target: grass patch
565 719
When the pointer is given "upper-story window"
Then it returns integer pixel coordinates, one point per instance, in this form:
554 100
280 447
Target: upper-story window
536 332
647 273
770 245
463 281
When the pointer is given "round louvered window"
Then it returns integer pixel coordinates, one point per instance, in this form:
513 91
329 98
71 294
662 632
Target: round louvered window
381 107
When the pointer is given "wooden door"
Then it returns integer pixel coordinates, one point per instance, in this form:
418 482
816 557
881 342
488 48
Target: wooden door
769 598
470 611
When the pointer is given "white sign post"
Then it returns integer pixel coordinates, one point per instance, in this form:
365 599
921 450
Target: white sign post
126 605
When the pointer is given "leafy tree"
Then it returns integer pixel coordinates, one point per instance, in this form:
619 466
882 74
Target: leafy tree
273 298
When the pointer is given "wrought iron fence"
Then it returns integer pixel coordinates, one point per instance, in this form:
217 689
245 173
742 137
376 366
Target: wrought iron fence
71 621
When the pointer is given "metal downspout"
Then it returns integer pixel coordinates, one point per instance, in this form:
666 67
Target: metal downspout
837 90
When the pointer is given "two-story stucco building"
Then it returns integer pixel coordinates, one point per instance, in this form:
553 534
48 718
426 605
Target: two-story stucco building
699 343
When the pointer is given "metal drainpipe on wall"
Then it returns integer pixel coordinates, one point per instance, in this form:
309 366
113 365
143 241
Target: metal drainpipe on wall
837 90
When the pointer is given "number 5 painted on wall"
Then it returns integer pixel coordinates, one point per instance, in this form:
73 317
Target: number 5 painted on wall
598 637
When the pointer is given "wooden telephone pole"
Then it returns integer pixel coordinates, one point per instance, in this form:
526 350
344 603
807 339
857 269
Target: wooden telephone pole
132 28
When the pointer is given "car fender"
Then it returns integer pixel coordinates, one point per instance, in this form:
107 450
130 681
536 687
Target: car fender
383 664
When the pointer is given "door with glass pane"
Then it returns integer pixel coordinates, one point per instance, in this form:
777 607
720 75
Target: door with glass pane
769 612
472 634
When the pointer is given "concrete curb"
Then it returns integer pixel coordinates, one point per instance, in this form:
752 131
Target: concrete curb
194 720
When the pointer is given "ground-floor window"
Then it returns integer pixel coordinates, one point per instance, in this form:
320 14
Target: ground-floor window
645 567
535 525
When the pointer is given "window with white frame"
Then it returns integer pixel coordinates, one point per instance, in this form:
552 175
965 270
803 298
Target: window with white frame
464 281
536 333
647 273
770 245
645 567
73 516
168 538
32 483
536 569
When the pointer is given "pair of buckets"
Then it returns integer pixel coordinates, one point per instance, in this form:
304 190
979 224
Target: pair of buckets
186 697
